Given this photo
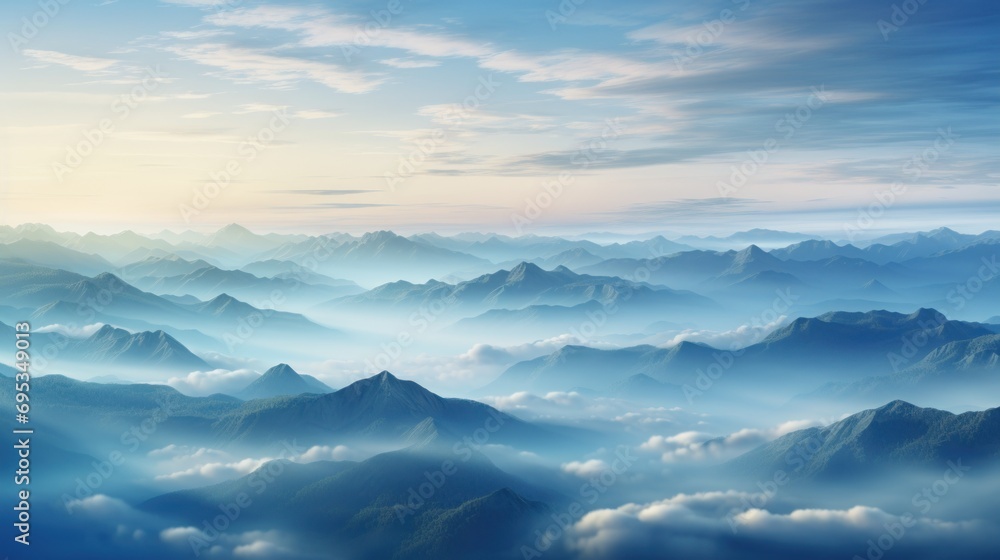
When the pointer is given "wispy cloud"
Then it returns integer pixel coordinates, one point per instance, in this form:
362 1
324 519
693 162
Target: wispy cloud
409 63
88 64
308 114
248 65
324 192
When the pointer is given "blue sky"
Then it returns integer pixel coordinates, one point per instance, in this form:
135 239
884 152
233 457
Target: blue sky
639 116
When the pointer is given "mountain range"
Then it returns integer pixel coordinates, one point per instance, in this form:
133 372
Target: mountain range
379 408
522 287
798 356
479 509
879 441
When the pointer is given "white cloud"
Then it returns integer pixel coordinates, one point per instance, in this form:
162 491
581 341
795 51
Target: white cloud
573 406
312 115
259 549
99 505
180 536
524 400
585 469
409 63
248 65
572 66
258 108
488 354
184 453
327 453
203 383
188 35
252 544
700 446
719 525
740 337
210 473
319 28
470 368
451 115
199 3
89 64
73 331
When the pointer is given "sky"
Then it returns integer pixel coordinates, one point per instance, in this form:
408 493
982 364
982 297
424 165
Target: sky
515 117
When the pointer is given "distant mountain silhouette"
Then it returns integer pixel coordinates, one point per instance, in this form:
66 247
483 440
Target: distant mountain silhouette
896 436
289 270
158 349
600 370
522 286
815 249
370 506
964 365
377 257
45 253
209 282
381 407
161 267
803 354
282 380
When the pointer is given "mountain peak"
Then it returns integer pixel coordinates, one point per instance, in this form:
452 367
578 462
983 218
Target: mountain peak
896 407
222 299
876 288
108 331
234 229
277 381
525 270
927 315
385 392
752 251
106 278
380 236
281 370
